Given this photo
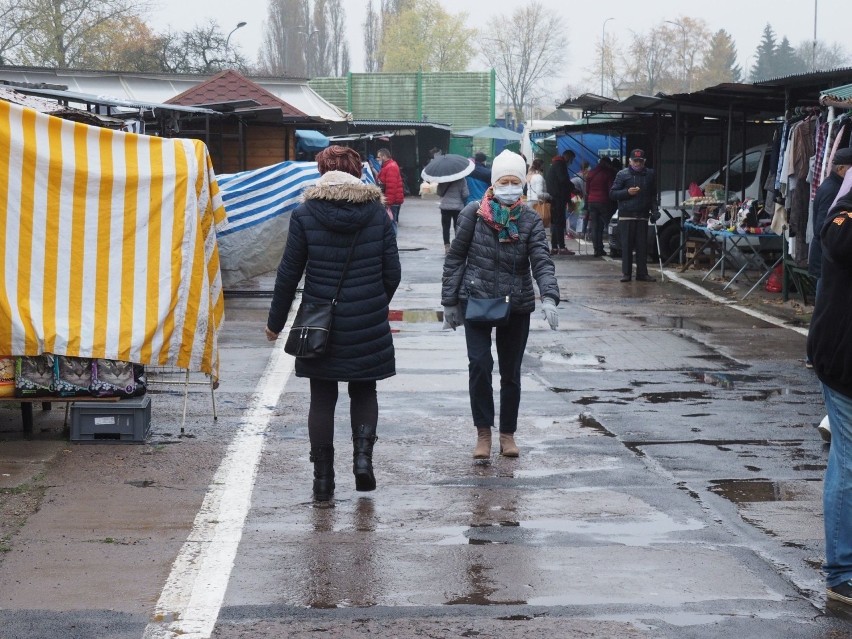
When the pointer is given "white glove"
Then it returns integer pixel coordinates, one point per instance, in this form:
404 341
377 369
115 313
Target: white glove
452 317
548 308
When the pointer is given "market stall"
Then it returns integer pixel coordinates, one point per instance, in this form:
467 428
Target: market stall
109 244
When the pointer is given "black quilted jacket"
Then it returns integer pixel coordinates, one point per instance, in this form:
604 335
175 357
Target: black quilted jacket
321 231
479 266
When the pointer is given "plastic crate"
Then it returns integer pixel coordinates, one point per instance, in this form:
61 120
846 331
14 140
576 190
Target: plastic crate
124 421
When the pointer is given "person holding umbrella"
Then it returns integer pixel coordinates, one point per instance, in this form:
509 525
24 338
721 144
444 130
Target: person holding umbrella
449 172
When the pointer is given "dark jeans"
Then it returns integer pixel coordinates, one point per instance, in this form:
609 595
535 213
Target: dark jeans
447 217
511 343
395 210
599 215
363 408
634 236
557 225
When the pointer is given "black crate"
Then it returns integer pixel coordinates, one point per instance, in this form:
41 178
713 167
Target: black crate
124 421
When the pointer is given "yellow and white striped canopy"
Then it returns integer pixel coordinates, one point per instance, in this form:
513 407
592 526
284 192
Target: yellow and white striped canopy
107 244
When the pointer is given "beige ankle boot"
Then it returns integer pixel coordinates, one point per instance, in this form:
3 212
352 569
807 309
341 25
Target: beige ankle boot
483 444
508 447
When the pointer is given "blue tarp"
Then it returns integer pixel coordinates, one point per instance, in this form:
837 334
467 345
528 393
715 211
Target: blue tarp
310 141
587 146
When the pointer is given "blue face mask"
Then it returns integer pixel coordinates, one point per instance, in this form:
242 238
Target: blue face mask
508 193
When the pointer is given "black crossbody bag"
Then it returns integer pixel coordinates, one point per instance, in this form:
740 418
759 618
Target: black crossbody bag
493 311
308 336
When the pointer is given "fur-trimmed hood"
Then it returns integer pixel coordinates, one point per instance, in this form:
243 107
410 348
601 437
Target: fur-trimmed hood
337 186
341 202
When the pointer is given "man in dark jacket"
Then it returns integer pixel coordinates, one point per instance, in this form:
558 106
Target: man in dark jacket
830 350
825 196
635 192
560 189
598 183
479 179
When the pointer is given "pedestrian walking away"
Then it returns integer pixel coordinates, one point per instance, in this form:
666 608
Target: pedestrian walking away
389 178
635 191
830 350
449 172
499 249
453 197
598 183
560 188
537 197
336 211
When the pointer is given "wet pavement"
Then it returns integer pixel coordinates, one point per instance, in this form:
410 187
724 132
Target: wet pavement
669 484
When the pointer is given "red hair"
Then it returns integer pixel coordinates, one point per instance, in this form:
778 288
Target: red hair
339 158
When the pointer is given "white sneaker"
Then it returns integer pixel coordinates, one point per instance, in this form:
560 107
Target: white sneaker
824 429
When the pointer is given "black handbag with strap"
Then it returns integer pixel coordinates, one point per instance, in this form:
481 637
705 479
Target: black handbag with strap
492 311
308 336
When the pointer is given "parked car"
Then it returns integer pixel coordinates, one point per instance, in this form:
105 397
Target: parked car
669 223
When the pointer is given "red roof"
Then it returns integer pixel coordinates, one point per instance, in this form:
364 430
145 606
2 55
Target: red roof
229 86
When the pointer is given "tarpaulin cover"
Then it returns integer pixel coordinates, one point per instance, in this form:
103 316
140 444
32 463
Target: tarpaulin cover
310 141
259 204
108 244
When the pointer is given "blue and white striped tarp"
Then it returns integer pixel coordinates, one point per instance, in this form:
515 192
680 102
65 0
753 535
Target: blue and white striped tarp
259 204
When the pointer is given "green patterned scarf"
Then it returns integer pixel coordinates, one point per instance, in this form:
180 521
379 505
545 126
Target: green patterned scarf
503 219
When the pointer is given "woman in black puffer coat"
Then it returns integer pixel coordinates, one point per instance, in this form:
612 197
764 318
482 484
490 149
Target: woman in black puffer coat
499 248
360 348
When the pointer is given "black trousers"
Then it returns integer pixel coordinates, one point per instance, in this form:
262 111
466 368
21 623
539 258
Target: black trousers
557 225
449 217
634 236
599 215
511 343
363 408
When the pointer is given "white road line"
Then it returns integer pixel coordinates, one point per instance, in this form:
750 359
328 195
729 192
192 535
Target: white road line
769 319
192 596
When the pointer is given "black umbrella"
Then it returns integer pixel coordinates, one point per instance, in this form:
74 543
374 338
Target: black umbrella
447 168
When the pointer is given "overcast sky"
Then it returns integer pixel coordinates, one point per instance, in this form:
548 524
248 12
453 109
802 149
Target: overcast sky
743 19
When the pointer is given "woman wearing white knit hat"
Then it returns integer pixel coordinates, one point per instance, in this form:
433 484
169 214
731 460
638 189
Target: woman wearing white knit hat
499 248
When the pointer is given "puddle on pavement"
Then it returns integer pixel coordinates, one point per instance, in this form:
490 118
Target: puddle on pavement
673 396
579 360
587 421
673 321
743 491
715 379
593 399
657 527
769 393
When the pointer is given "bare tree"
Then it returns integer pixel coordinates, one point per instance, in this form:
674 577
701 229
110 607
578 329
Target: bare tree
523 49
690 40
58 31
282 52
12 28
825 56
372 39
203 49
648 62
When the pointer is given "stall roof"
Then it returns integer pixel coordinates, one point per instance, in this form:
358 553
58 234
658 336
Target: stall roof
838 97
90 99
54 108
159 87
407 124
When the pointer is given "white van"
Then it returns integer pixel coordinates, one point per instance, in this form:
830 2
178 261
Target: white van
668 225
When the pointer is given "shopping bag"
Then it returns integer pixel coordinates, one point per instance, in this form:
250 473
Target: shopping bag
543 210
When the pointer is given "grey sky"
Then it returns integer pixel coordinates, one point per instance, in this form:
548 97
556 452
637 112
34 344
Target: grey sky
743 19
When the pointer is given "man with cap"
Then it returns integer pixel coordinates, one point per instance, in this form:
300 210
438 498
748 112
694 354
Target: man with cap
499 249
635 192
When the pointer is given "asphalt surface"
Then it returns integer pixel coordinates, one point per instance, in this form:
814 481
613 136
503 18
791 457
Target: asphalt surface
669 484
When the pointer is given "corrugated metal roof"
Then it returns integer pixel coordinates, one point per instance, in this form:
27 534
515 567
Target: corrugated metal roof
838 96
408 124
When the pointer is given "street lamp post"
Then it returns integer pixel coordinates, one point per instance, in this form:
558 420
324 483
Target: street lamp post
240 25
603 49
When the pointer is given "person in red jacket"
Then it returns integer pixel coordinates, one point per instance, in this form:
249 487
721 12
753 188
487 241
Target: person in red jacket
390 179
600 206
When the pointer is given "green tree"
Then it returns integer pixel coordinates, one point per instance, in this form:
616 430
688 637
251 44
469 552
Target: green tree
764 64
58 32
524 49
787 60
720 61
424 37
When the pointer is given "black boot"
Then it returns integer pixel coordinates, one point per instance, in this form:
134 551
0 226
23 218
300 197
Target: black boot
323 458
363 438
